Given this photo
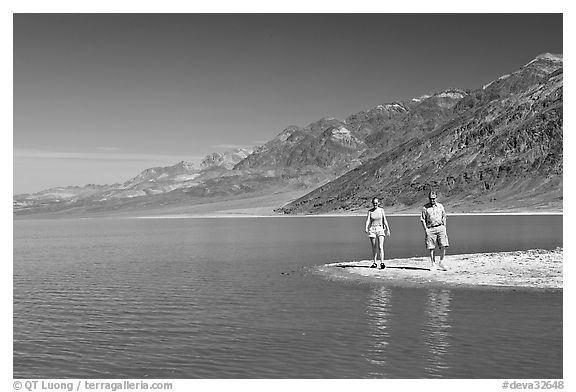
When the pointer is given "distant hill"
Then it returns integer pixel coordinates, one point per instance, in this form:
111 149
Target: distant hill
156 181
496 148
500 147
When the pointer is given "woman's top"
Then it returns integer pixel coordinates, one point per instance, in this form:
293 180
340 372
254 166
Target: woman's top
376 217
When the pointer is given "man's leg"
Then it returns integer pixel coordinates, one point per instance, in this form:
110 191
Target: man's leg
442 244
431 245
442 254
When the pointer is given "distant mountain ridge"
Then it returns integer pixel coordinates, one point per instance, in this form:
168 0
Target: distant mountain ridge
479 147
227 159
152 181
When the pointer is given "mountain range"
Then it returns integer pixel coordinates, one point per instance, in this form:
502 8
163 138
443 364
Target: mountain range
495 148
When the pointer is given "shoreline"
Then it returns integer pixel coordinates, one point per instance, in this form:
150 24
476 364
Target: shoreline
224 215
535 269
240 215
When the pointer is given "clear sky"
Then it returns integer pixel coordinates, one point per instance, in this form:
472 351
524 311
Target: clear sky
100 97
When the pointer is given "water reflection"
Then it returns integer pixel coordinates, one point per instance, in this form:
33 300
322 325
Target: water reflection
409 332
378 319
438 331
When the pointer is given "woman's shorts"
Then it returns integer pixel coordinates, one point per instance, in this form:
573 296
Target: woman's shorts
436 236
375 231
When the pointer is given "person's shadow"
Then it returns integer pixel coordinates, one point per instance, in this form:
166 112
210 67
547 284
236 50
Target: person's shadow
387 267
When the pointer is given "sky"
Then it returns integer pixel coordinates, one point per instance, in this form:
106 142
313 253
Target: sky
98 98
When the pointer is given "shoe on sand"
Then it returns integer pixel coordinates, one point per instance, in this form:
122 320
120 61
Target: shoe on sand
374 265
434 268
382 266
442 267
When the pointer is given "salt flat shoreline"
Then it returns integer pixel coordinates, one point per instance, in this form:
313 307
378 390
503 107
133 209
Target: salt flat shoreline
190 216
531 269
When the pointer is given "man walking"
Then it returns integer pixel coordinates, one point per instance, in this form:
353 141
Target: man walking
433 221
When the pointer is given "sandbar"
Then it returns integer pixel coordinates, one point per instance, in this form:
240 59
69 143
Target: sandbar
530 269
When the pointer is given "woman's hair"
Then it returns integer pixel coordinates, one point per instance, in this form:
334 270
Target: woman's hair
374 198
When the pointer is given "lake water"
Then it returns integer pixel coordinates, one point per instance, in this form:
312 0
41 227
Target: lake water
239 298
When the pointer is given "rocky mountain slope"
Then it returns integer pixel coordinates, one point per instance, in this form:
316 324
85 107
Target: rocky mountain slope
299 158
337 146
499 147
493 148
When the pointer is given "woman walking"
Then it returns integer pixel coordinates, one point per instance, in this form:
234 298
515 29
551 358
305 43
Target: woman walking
377 228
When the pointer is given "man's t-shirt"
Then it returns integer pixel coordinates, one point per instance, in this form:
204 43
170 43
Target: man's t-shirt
433 215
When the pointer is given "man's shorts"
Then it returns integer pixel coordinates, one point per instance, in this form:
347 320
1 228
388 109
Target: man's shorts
375 231
436 236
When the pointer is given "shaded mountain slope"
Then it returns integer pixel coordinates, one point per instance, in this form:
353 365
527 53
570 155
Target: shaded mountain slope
503 147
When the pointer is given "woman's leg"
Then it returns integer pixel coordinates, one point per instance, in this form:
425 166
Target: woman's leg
381 249
374 242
